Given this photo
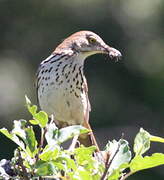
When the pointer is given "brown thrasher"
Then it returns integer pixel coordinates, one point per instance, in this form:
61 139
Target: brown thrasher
61 84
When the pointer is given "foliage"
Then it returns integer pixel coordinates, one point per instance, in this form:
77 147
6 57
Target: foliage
47 159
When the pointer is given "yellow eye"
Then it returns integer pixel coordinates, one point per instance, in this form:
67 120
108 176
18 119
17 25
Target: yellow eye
92 40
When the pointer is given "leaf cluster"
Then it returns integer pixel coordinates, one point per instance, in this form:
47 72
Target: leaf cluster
48 159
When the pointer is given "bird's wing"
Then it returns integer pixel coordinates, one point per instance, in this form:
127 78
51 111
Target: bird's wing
87 100
38 77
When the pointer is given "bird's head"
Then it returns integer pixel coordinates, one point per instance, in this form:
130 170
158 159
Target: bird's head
87 43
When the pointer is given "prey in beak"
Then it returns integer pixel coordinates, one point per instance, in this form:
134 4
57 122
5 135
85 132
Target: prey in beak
112 53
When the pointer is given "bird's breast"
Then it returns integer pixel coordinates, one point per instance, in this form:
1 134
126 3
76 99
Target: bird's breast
61 92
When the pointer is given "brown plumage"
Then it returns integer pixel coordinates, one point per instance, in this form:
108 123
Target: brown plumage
61 84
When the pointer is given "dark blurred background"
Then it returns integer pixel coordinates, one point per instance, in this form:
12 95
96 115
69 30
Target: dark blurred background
124 96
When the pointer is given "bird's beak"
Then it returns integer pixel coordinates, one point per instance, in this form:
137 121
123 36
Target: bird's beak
112 52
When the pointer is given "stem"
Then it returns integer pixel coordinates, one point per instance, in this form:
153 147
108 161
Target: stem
127 175
24 172
41 138
43 131
109 163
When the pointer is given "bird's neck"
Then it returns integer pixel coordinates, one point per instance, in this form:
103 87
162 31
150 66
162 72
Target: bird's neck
68 68
75 64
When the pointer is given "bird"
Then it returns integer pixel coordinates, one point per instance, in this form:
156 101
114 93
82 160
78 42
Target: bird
61 85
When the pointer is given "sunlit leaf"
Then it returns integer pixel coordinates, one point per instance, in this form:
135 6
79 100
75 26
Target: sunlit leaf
34 122
156 139
52 134
49 153
70 163
45 169
31 141
13 137
140 163
42 118
115 174
83 155
70 131
31 108
18 129
119 153
27 135
82 174
141 142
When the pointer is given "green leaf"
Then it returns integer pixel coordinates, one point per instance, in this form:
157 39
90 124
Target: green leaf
31 108
34 122
119 153
140 163
141 142
69 132
59 166
82 174
31 141
52 134
58 136
13 137
65 159
42 118
49 153
156 139
115 175
27 135
19 126
46 168
83 155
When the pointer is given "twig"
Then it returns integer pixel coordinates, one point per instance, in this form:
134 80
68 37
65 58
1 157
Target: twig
127 175
52 119
109 163
40 178
43 131
73 144
24 171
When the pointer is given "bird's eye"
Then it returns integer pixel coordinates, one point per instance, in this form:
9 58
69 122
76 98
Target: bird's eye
92 40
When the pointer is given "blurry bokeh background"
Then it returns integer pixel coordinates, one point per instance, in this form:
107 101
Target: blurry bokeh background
124 96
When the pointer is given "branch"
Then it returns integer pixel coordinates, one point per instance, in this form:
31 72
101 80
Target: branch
24 171
127 175
109 163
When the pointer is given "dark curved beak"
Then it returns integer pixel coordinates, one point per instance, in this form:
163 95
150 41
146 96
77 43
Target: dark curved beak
113 53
